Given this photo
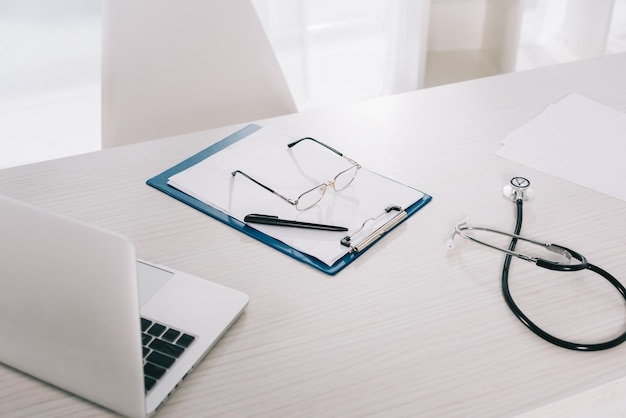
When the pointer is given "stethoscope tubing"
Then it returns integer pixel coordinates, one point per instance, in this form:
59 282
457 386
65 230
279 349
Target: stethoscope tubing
531 325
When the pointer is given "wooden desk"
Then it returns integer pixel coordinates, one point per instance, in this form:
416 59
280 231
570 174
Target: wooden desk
407 329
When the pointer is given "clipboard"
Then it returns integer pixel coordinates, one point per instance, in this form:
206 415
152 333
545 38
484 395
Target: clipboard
160 182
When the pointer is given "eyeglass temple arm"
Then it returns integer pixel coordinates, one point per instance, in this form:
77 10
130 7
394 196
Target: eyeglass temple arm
286 199
324 145
314 140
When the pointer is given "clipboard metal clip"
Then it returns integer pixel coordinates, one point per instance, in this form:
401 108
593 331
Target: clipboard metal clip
379 232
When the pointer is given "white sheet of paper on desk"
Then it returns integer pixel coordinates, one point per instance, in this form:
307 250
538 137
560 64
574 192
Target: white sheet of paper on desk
577 139
264 155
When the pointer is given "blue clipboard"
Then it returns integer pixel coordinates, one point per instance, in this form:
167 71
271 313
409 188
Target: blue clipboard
160 182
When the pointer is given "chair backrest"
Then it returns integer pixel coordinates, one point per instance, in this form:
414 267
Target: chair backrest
171 67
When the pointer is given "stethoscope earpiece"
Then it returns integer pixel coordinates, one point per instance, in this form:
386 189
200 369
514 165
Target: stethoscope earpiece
450 245
518 188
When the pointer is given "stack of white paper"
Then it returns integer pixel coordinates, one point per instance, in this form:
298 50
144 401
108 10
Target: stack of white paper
577 139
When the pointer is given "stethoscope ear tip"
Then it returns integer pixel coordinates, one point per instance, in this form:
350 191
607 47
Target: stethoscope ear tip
450 242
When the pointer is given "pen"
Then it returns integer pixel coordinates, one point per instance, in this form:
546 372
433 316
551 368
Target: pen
275 220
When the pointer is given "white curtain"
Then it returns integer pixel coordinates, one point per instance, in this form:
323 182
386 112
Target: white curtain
342 51
49 79
331 51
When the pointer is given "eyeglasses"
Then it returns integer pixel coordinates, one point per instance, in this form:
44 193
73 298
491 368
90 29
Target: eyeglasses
312 196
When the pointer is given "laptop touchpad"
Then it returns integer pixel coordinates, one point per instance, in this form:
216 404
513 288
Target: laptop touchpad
150 279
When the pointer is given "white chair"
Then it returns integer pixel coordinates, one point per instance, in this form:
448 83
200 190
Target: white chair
171 67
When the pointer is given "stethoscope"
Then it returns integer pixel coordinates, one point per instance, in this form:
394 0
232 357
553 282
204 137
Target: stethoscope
518 190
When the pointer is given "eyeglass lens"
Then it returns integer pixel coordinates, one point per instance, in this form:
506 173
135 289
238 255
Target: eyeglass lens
310 198
342 180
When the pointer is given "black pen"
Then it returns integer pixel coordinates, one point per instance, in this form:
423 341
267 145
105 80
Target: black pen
255 218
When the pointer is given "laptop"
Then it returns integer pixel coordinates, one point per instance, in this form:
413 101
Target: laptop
79 311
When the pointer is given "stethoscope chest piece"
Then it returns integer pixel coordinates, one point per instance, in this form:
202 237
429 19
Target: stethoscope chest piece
518 188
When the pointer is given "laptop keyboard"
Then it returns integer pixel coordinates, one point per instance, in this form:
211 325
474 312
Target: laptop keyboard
162 345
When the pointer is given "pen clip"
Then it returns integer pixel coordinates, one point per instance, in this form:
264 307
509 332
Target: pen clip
379 232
